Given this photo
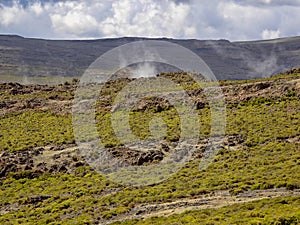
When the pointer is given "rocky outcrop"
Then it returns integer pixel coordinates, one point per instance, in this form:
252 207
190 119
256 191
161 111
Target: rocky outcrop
32 162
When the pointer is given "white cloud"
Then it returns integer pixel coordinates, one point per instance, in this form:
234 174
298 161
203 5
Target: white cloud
206 19
147 18
269 2
73 23
244 20
270 34
37 8
11 15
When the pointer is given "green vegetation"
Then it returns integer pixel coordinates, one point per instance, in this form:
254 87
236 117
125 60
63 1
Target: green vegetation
268 158
20 131
293 74
72 197
35 79
37 96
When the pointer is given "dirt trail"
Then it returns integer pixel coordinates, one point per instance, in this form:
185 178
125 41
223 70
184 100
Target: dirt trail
48 154
217 200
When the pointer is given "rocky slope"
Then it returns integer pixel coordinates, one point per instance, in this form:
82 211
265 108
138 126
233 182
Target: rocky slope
66 158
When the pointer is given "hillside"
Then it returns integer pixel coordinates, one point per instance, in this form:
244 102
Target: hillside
254 178
25 57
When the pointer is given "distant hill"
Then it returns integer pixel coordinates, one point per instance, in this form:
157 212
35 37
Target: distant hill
228 60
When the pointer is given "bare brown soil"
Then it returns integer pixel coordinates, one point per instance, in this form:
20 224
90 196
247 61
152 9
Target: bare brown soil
209 201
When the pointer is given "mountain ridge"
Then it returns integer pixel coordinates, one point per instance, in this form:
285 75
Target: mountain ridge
228 60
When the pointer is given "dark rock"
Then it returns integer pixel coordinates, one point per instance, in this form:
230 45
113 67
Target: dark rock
262 85
53 168
77 164
62 169
38 151
3 105
37 198
199 105
42 167
165 147
6 168
149 157
28 167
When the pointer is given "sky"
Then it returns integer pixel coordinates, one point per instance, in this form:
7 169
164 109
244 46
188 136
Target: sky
183 19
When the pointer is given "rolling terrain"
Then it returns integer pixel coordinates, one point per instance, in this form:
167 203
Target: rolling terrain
254 178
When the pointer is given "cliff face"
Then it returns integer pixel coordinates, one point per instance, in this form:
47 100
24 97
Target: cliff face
228 60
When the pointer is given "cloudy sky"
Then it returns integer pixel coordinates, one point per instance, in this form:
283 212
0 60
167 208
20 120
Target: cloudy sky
200 19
